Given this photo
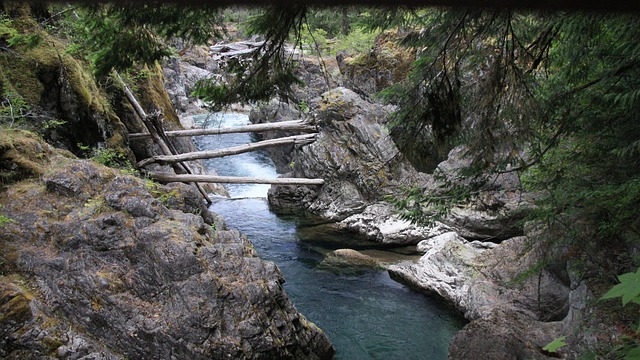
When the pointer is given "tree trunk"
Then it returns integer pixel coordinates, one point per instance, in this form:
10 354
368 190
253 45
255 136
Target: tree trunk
178 168
168 159
164 177
293 125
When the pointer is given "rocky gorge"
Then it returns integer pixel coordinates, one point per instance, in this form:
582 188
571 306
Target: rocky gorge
99 263
475 258
478 258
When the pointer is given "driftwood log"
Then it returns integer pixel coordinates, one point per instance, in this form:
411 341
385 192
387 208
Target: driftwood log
165 177
153 124
291 125
234 150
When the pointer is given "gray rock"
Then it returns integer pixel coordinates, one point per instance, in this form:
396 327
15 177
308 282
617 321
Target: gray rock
477 278
348 258
142 279
512 311
496 213
503 335
355 156
380 222
180 80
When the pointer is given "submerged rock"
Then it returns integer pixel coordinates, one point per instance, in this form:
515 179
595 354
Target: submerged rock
349 258
100 265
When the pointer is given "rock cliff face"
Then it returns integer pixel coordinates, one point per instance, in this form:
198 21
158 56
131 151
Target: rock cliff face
98 264
517 304
478 258
56 91
386 64
352 153
361 165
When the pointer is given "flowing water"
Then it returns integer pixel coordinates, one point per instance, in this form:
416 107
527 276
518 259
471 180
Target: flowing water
365 314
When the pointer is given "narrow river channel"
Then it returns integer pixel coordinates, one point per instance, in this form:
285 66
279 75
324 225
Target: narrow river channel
365 314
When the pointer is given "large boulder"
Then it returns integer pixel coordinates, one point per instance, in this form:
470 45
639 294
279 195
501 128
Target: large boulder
477 277
380 222
494 214
505 335
104 265
516 305
353 154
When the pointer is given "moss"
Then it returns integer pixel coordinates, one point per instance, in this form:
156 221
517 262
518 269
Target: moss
14 304
45 76
96 303
18 77
153 95
22 155
334 102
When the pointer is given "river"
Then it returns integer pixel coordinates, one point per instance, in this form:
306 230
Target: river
365 314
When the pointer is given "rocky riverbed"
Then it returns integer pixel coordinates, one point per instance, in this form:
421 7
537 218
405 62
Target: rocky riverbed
478 258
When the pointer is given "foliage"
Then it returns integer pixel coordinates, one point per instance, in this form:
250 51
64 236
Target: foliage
117 36
157 192
269 72
313 40
13 107
13 37
357 40
556 344
4 220
109 157
551 96
333 21
629 290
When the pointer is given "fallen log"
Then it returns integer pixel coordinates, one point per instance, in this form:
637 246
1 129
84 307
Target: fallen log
165 177
292 125
234 150
148 120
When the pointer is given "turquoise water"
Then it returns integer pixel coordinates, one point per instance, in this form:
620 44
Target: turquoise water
365 314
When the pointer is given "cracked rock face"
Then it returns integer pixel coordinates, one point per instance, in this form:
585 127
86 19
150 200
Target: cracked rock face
353 154
95 266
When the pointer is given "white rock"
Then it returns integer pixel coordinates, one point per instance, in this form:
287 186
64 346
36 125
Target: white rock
381 222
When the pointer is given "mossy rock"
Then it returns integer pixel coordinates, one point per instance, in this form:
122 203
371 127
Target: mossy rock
23 155
64 102
14 306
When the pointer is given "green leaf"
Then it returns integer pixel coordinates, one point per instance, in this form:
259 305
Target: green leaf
633 354
556 344
628 288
